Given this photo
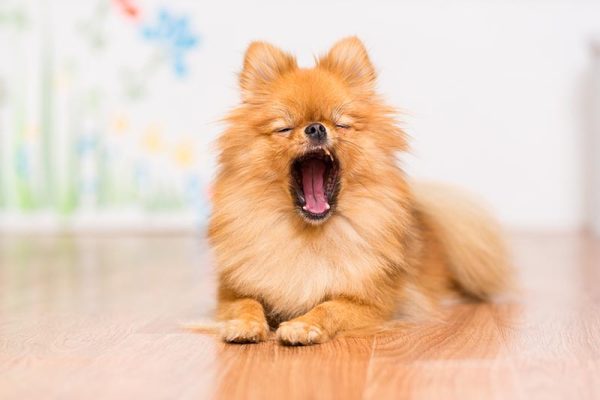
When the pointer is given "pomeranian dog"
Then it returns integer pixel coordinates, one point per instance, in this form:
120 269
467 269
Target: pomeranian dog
315 228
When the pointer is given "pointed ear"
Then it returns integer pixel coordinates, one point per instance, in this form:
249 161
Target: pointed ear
263 63
349 59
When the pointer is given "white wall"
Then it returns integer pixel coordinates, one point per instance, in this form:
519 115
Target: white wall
491 90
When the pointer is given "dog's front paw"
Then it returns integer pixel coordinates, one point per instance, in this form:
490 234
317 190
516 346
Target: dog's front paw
244 331
300 333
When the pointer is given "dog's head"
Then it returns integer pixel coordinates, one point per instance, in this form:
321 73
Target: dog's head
309 134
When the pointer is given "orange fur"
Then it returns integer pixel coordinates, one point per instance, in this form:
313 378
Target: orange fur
386 245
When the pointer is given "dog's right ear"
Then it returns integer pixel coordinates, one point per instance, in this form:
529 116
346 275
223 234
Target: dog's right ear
263 63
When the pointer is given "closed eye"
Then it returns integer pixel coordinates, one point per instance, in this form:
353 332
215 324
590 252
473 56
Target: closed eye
342 126
283 130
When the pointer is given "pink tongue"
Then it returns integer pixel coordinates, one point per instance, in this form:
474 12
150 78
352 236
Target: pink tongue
314 190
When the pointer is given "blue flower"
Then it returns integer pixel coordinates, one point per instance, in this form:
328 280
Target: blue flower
195 192
173 34
22 162
86 144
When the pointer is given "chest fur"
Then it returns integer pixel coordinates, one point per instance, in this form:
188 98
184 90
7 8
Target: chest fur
292 273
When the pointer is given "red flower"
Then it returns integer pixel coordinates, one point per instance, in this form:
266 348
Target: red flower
128 8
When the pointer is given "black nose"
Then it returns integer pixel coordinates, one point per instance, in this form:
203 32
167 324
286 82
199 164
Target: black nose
316 132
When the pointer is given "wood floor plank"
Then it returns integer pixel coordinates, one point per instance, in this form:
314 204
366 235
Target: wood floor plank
465 331
335 370
542 343
102 317
459 357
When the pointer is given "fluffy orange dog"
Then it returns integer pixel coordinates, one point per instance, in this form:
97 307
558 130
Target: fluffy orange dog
316 229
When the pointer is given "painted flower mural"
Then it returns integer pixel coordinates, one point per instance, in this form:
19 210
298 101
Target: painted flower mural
173 34
86 125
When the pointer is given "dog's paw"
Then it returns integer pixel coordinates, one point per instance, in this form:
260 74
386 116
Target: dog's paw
300 333
244 331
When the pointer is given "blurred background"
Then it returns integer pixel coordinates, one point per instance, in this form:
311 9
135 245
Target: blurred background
109 108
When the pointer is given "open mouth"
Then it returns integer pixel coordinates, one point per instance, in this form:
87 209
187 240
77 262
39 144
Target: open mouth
315 183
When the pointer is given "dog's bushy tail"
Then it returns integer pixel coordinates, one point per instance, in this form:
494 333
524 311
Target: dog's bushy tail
471 239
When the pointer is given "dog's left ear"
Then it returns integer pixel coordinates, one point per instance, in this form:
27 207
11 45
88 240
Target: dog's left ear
349 59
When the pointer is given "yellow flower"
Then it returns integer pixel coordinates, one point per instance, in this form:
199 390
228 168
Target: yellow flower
120 124
152 140
184 154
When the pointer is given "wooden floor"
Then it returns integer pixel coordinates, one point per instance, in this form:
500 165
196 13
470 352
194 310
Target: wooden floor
100 317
